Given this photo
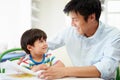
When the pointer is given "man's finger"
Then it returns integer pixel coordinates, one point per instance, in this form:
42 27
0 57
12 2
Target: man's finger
49 78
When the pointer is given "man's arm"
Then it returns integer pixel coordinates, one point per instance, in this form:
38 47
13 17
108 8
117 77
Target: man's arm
87 71
60 72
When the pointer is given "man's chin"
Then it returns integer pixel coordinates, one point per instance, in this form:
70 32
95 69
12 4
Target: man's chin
80 33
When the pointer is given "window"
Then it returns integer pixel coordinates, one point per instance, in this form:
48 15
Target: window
111 13
15 18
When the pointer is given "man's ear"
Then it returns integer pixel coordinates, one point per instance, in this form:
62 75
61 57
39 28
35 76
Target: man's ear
92 17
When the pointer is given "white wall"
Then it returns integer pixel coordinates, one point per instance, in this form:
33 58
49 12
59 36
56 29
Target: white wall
111 13
15 18
51 16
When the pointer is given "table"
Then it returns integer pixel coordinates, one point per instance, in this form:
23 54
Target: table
72 78
4 77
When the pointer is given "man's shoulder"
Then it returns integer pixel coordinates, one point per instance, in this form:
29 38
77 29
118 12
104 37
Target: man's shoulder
112 31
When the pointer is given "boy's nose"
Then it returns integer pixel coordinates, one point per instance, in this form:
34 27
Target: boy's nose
72 23
45 43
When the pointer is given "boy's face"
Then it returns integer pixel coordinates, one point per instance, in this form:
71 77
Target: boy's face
39 47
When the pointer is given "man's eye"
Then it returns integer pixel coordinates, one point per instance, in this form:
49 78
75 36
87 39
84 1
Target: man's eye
76 20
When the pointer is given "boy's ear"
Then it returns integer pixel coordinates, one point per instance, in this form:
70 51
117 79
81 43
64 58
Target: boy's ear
29 47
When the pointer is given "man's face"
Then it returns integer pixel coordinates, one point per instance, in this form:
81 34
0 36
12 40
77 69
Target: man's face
79 23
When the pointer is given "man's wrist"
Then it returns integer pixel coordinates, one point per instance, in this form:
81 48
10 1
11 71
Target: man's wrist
66 72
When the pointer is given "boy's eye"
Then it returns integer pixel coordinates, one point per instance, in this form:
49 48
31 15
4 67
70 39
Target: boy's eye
41 40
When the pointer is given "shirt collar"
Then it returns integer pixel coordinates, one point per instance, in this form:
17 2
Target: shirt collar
36 63
98 33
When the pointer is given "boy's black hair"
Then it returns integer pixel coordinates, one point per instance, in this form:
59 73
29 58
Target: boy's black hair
84 8
30 36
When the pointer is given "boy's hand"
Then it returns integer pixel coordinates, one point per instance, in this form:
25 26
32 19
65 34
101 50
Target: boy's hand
39 67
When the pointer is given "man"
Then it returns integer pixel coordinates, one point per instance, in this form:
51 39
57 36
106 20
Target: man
93 47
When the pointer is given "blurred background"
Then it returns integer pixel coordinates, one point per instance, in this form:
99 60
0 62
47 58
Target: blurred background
16 16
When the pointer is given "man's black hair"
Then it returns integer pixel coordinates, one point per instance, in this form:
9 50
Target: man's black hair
84 8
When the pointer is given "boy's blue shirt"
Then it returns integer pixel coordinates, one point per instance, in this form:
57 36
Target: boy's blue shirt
48 59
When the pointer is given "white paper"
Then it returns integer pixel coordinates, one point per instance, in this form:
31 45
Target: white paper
14 67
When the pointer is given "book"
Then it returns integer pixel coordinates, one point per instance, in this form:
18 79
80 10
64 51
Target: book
20 69
13 71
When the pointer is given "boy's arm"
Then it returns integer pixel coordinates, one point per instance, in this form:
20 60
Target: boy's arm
39 67
55 62
44 66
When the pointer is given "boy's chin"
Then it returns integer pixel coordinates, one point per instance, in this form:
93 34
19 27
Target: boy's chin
45 51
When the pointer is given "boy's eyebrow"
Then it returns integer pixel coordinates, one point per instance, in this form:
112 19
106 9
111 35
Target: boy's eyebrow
42 39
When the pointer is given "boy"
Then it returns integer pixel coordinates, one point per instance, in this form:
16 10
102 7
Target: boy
33 42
